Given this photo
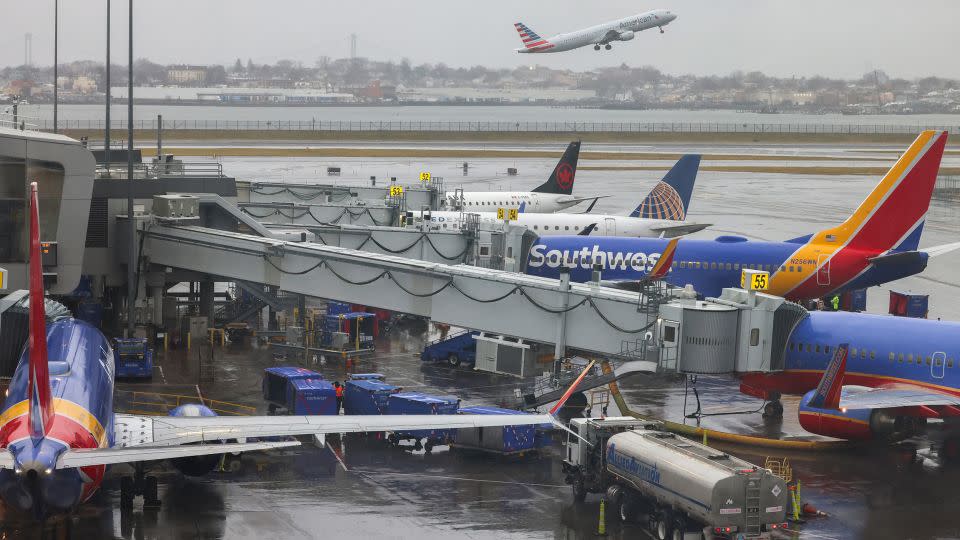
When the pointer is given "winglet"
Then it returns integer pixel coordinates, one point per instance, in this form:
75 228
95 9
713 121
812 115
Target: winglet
572 388
41 403
670 198
660 270
827 395
561 180
587 230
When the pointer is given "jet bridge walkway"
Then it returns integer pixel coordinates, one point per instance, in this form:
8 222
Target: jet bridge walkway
550 389
586 317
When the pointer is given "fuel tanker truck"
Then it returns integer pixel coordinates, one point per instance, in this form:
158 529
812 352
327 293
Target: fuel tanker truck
685 490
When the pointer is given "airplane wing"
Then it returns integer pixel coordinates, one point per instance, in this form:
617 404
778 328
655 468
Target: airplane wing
941 249
680 229
891 398
178 430
111 456
152 438
611 35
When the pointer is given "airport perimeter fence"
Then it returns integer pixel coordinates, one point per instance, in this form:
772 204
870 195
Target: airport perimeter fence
502 127
947 188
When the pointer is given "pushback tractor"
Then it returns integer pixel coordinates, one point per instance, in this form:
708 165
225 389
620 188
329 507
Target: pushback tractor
686 490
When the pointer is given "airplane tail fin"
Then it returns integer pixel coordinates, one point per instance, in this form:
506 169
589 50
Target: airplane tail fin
662 268
41 401
670 198
892 215
572 388
561 181
531 40
827 395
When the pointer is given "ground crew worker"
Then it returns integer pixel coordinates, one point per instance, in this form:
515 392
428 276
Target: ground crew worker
339 389
835 302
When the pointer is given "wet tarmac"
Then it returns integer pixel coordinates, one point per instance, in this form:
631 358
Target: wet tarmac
365 489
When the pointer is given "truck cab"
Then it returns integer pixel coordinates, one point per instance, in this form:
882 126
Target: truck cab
584 464
133 358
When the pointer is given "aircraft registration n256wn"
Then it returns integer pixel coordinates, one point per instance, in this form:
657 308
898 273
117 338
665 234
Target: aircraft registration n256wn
599 35
877 244
58 430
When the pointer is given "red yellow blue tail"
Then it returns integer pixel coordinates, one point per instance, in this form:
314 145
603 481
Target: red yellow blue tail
41 403
532 41
660 270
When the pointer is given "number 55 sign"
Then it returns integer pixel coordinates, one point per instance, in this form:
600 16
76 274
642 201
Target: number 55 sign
754 280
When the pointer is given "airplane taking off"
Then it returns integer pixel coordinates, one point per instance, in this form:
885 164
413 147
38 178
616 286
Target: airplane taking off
58 430
877 244
602 34
660 214
553 195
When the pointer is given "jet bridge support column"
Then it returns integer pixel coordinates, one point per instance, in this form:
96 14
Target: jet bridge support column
559 349
206 300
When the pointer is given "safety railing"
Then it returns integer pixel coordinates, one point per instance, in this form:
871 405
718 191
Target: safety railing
160 404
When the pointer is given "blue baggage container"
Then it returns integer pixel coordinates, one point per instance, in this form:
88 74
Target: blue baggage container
311 396
909 305
367 397
276 382
366 377
455 350
417 403
336 308
854 300
501 440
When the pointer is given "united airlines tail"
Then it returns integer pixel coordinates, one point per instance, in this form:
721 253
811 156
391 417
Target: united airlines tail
670 198
561 181
40 412
891 217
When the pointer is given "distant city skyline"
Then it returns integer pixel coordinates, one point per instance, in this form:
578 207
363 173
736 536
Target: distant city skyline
816 37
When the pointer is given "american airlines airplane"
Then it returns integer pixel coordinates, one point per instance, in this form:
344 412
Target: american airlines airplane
553 195
660 214
602 34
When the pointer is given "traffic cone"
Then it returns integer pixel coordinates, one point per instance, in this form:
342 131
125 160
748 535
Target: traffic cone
602 526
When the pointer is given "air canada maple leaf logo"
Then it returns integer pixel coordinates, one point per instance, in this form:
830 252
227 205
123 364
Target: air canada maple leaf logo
565 176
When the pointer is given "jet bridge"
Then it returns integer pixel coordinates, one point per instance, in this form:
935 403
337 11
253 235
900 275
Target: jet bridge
584 317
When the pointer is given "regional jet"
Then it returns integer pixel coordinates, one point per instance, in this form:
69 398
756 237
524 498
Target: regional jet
600 35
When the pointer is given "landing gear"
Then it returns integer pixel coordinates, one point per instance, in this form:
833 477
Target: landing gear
453 360
428 447
579 490
139 485
608 46
661 29
596 47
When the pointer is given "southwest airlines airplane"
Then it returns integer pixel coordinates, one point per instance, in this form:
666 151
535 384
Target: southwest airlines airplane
58 431
660 214
602 34
553 195
875 245
869 376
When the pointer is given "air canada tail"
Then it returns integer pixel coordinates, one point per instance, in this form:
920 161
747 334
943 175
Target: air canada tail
827 395
670 198
892 215
41 403
561 181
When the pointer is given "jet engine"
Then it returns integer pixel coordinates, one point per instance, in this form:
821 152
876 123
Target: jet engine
196 465
626 36
857 424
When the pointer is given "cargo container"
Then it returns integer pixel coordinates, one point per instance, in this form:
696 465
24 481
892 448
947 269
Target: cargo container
417 403
367 396
685 489
854 300
296 390
366 377
505 440
909 305
349 331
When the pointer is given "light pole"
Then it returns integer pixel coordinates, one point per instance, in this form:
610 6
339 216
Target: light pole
132 259
106 130
56 41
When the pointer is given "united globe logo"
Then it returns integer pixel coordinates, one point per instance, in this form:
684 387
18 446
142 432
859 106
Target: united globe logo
662 203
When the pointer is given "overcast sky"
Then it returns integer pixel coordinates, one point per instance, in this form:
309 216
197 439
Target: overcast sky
839 38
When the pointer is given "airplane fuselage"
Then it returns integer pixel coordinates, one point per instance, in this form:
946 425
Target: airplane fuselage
601 33
797 271
532 202
81 379
566 224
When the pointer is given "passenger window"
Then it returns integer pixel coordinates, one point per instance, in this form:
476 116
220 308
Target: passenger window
576 227
683 264
826 349
949 362
783 268
736 266
818 348
566 227
556 227
873 355
705 265
754 337
910 358
900 358
928 360
863 354
534 227
790 346
713 266
853 353
674 264
892 357
808 347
